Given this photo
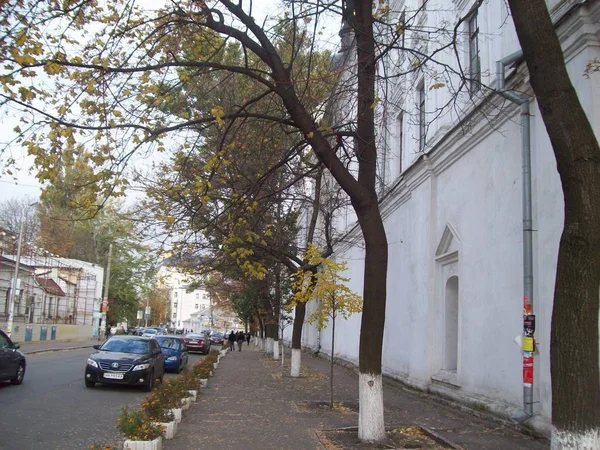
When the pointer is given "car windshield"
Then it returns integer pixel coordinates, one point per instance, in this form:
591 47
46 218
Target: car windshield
217 335
168 343
194 336
126 346
150 331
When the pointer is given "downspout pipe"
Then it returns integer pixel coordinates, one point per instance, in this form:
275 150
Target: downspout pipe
528 317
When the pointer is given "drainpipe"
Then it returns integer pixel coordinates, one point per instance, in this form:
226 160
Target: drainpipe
528 343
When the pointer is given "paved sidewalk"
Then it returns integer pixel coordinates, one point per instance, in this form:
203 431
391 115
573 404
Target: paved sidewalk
253 404
34 347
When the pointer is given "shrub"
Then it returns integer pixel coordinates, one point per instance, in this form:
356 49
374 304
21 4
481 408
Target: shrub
157 405
137 426
203 368
175 390
189 380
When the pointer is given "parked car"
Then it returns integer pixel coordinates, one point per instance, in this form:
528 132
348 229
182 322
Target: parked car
12 361
197 343
217 338
128 360
150 332
176 353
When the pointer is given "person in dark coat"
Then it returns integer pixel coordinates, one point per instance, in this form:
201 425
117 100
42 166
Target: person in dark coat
240 338
231 339
248 338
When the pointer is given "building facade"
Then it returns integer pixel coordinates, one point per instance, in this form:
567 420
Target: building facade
450 165
56 298
185 299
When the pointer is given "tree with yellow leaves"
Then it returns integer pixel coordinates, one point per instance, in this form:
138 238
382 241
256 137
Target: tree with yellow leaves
329 288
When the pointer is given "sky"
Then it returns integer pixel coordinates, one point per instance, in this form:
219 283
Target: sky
22 183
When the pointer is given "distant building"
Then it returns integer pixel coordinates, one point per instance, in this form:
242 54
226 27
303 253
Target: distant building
53 292
185 298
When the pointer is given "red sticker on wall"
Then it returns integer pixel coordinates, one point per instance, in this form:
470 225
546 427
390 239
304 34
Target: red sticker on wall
528 375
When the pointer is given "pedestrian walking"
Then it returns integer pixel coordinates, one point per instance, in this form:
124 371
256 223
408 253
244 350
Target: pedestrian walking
248 338
240 338
231 340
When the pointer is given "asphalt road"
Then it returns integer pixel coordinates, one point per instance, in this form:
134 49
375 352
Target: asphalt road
53 410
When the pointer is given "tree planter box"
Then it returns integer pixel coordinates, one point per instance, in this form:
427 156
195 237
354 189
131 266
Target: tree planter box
215 365
176 414
185 404
170 429
193 395
204 382
223 353
156 444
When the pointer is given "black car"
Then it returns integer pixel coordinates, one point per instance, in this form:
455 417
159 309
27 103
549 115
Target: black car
12 361
127 360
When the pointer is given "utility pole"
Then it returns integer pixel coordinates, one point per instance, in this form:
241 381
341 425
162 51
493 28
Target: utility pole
212 323
13 288
105 298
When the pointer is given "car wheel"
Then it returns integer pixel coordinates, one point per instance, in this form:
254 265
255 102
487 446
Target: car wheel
89 384
150 384
18 379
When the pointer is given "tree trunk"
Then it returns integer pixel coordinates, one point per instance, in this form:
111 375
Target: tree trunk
371 426
332 359
299 314
574 335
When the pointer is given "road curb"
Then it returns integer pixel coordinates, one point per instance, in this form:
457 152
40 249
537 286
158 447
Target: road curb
49 350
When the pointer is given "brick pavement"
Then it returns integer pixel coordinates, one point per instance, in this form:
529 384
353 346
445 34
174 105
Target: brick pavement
253 404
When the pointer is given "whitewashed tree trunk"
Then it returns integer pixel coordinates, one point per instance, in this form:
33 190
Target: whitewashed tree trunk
296 362
276 350
575 440
269 348
371 426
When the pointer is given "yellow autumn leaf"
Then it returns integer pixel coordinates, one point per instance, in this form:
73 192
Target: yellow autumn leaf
52 68
218 112
21 38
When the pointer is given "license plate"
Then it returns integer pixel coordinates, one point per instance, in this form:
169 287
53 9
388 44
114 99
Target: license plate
114 376
193 342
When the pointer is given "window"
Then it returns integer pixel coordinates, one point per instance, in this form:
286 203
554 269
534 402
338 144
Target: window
421 109
196 305
174 305
197 295
174 315
451 325
400 134
474 63
4 342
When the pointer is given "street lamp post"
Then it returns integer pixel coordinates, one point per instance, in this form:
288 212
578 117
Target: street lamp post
105 297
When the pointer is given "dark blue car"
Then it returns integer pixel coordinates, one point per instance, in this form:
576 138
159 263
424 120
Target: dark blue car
176 353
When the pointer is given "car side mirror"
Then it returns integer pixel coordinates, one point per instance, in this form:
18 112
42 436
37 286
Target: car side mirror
97 347
16 345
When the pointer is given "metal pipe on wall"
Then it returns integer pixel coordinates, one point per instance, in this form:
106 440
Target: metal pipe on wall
528 342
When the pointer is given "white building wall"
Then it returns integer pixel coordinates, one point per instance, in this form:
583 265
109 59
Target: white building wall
463 200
